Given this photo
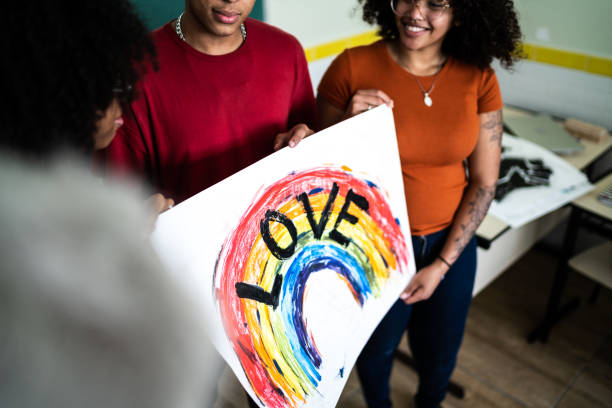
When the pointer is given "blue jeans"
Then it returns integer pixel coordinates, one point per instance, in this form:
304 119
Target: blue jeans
435 329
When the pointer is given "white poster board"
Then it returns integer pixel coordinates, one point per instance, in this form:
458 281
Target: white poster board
297 258
548 182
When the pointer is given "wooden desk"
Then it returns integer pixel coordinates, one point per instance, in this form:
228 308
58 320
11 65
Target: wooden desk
492 227
595 263
590 203
587 212
500 246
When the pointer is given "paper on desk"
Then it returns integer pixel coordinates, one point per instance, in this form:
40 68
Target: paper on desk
292 303
523 205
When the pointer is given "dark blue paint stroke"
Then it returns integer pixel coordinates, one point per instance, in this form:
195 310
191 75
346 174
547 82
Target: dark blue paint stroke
313 258
315 190
278 368
371 184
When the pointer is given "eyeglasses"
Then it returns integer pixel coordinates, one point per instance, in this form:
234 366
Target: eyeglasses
431 9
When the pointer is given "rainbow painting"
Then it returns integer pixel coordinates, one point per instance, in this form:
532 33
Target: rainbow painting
324 221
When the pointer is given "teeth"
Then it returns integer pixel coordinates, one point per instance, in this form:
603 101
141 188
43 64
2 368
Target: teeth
415 29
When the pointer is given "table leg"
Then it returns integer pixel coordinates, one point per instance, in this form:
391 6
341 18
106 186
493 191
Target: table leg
553 312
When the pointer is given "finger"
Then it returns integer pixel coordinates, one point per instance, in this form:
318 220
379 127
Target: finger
279 140
168 204
365 102
299 134
377 95
372 94
159 203
385 98
156 201
413 297
410 289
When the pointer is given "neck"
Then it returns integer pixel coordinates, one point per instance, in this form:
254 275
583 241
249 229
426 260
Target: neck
424 62
207 42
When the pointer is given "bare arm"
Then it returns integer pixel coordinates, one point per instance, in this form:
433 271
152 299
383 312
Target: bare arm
483 172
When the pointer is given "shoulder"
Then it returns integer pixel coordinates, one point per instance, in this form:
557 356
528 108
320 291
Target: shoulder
361 58
482 82
270 37
466 67
470 72
365 52
162 37
363 61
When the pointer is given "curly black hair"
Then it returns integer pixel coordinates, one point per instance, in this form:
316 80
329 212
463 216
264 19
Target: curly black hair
63 62
486 29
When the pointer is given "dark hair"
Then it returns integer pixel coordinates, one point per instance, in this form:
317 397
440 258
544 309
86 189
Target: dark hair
63 62
486 29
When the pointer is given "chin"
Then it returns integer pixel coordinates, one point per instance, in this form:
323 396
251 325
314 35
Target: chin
102 142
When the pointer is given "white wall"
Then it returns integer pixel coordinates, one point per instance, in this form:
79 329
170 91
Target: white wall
583 26
559 91
579 26
316 22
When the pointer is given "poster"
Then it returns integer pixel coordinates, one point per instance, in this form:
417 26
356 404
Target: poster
532 182
297 258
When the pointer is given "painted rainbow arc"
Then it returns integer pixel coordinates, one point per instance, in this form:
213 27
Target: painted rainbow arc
324 219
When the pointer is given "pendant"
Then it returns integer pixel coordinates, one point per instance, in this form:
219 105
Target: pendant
427 99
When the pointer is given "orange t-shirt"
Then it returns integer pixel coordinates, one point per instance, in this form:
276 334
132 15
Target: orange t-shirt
433 141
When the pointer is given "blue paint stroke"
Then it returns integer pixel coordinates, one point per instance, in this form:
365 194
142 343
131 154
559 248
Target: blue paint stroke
313 258
315 190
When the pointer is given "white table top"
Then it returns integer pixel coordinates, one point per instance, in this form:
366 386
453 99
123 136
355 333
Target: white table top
492 227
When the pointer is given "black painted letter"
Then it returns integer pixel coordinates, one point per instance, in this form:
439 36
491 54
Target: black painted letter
351 197
318 229
264 228
248 291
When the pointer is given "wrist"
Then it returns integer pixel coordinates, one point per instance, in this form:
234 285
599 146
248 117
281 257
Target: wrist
447 265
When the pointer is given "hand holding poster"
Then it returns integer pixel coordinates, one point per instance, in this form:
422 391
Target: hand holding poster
297 258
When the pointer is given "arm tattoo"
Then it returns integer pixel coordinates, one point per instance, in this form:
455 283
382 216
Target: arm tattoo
478 207
493 124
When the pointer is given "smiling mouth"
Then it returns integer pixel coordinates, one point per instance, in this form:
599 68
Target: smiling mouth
227 17
415 29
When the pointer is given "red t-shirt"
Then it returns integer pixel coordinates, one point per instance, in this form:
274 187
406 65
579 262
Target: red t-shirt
201 118
433 141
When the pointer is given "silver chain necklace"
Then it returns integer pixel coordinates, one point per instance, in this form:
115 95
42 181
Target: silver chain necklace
179 31
426 94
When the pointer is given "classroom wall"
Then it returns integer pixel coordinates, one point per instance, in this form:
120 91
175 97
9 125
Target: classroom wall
569 72
582 26
566 86
316 22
